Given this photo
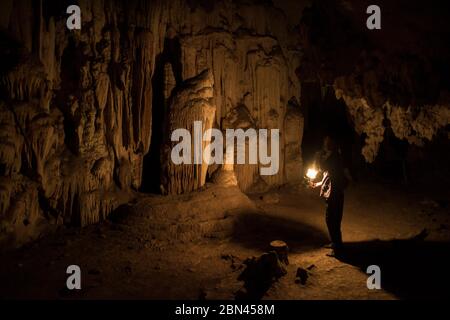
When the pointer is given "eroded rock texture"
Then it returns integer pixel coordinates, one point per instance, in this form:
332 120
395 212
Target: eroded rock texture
77 107
190 106
85 115
252 53
394 80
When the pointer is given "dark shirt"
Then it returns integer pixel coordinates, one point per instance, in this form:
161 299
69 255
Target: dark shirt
334 181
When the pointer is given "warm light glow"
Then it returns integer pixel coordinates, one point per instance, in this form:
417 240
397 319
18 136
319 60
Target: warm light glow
311 173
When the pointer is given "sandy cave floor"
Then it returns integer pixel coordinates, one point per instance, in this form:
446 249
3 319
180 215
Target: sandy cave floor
380 222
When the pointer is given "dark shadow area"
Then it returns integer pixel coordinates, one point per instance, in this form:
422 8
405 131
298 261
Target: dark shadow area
121 213
10 57
259 275
391 161
256 231
410 268
325 115
400 162
71 63
151 172
152 161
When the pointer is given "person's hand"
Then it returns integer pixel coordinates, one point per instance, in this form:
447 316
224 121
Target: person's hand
311 184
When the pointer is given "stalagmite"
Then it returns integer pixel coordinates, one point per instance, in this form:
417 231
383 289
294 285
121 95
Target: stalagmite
80 108
193 101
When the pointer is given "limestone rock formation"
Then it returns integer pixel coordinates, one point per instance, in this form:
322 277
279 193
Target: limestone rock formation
240 118
191 103
77 107
213 212
293 124
391 80
75 110
81 111
413 123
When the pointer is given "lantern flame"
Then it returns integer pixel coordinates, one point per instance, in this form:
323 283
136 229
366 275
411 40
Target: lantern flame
312 173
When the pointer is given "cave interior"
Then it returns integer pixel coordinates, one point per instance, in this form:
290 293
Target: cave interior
87 175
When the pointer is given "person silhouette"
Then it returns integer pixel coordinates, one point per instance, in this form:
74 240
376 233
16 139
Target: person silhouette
334 181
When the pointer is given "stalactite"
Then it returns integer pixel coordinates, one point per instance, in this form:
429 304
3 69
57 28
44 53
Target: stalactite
78 120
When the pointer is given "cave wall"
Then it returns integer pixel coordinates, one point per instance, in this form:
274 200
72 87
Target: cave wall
75 111
253 54
76 107
394 81
81 111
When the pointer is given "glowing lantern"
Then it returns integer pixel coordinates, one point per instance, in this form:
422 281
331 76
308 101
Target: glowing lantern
312 173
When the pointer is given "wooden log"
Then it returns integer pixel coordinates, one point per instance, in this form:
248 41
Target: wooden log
281 248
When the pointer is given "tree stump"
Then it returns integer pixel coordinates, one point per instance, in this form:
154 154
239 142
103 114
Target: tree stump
281 248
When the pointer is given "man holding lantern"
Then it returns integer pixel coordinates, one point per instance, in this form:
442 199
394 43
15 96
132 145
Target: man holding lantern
334 180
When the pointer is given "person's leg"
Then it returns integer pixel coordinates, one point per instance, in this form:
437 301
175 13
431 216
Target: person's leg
329 218
334 218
